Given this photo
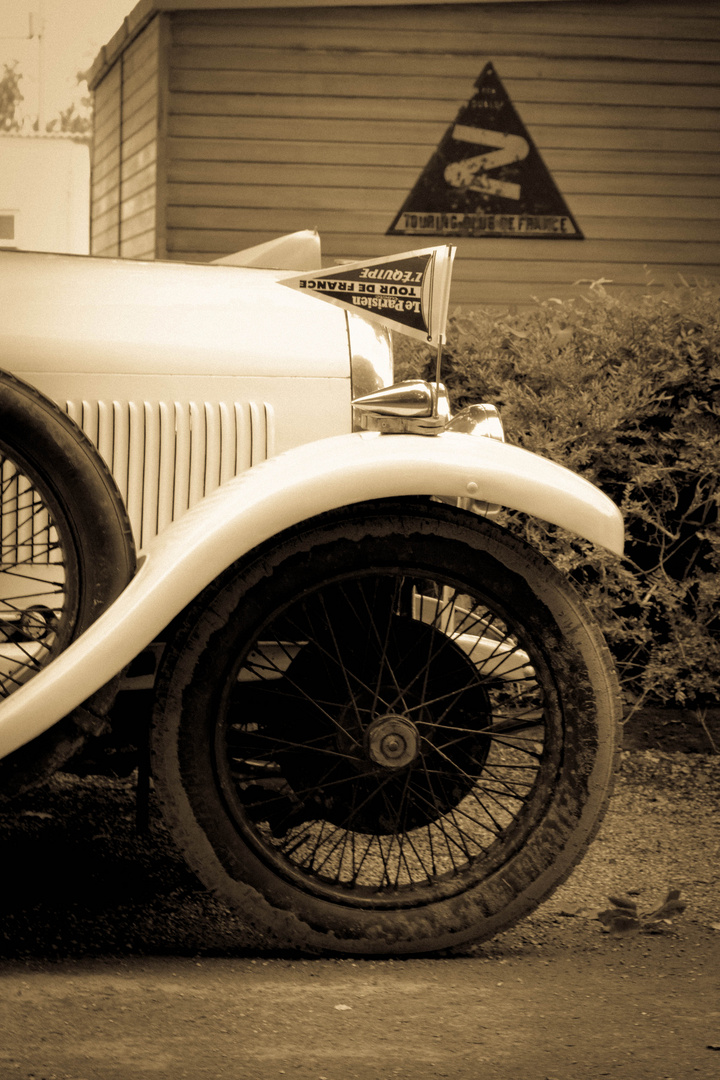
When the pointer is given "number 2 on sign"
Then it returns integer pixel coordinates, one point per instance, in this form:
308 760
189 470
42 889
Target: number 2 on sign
471 173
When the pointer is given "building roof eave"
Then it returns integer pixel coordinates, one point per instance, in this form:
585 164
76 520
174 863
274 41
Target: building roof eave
145 10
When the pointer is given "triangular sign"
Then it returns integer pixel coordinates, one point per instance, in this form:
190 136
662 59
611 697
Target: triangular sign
486 178
407 292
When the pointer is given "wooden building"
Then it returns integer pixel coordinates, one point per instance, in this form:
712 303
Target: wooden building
220 124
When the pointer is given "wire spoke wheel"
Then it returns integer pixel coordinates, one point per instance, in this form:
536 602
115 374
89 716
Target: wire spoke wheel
66 552
401 783
39 574
380 727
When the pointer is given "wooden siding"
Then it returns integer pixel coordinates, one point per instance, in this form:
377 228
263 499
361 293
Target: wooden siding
125 152
324 117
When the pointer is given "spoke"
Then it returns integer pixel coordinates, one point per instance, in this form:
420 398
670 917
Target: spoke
313 701
372 794
497 797
340 663
491 729
440 825
22 666
30 658
386 868
382 643
520 750
324 784
417 855
344 833
9 609
356 872
320 648
473 785
271 665
498 827
348 838
481 783
495 832
428 777
503 783
455 768
341 834
300 794
309 861
403 838
400 826
38 557
451 696
437 823
501 653
447 629
284 745
429 659
295 841
367 620
351 835
18 502
440 777
9 683
462 836
448 841
12 572
429 829
444 643
449 743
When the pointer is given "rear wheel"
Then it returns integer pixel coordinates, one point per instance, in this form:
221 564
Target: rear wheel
394 731
67 553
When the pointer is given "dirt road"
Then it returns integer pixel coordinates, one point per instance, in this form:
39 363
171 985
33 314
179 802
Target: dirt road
116 966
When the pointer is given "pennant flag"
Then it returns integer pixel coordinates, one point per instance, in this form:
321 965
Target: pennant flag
408 292
486 178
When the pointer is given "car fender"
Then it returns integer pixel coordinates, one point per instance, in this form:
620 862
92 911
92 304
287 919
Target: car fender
275 495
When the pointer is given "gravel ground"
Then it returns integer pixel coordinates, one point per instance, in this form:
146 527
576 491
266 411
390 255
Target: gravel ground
87 882
662 831
115 964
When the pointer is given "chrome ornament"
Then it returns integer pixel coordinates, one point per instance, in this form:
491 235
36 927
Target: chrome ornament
414 407
423 408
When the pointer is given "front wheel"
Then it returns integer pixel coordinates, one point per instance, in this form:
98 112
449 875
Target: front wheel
394 730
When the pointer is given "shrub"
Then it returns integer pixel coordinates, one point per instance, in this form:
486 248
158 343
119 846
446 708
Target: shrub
624 390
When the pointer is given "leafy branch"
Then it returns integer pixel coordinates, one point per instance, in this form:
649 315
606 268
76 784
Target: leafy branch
624 390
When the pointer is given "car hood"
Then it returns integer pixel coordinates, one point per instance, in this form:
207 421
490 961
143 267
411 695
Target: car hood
87 314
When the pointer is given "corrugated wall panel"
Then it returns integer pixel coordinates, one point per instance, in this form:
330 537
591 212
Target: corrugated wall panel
105 174
140 130
124 179
324 117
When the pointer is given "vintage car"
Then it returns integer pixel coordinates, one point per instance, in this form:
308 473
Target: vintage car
377 722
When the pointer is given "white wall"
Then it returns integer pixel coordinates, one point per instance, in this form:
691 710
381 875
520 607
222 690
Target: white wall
44 194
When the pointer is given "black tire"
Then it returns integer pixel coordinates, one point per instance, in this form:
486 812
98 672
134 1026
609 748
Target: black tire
67 553
421 803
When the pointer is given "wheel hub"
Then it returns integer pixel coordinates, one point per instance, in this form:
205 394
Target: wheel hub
392 741
358 770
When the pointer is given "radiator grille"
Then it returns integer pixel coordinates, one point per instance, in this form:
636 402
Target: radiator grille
166 456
